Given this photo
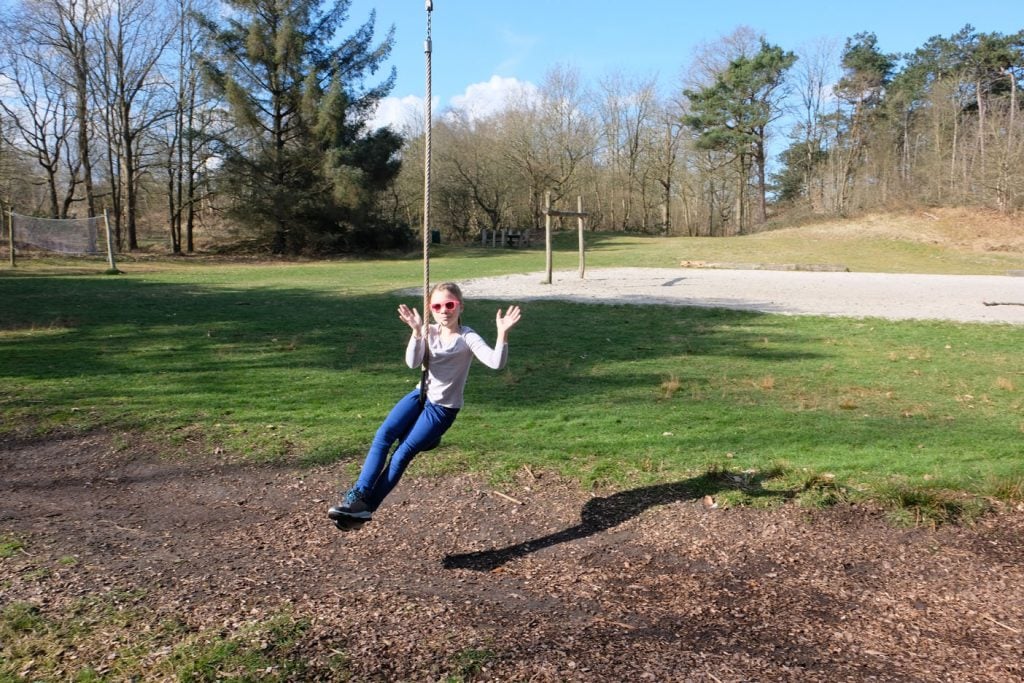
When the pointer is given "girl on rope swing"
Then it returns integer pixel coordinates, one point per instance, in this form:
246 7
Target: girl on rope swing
419 419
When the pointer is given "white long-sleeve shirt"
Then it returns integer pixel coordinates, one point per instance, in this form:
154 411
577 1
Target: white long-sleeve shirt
449 362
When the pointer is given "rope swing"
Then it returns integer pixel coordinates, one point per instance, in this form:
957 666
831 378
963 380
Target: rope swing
426 209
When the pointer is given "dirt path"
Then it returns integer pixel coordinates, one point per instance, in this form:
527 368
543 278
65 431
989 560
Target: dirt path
644 584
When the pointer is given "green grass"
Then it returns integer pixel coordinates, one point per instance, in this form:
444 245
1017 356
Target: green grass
9 546
300 361
469 663
257 652
297 362
116 637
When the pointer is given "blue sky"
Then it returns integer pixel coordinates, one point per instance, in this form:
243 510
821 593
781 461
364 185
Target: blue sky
483 47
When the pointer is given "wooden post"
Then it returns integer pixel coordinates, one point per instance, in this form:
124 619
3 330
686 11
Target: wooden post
10 235
547 236
110 244
548 213
579 218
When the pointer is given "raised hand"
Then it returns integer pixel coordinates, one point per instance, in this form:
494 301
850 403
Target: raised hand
506 322
411 317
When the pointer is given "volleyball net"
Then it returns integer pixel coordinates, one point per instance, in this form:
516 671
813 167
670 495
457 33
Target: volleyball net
72 236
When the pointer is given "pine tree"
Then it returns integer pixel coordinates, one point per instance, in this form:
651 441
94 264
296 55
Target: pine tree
733 114
867 72
298 159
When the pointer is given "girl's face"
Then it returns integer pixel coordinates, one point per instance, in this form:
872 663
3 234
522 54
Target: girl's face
446 307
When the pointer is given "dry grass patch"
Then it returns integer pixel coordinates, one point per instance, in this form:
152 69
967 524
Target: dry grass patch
916 410
973 229
913 354
670 386
981 230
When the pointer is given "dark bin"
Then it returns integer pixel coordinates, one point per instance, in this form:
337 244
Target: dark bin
435 237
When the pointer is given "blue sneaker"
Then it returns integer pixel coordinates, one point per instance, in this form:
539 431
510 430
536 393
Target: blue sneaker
354 507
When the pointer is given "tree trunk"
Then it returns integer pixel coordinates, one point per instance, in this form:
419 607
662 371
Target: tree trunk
280 242
740 221
69 193
78 44
711 207
666 183
1005 198
981 127
51 184
82 112
114 168
175 246
190 194
130 173
762 187
953 149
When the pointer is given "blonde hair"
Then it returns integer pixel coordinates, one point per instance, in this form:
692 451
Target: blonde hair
449 287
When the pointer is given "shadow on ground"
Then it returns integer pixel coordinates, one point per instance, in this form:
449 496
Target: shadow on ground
601 514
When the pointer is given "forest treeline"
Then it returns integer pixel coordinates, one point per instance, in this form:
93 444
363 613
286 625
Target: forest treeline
249 119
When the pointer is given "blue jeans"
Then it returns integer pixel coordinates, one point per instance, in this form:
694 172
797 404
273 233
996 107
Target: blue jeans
416 429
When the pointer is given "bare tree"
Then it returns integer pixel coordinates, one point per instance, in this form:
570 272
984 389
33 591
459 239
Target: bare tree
65 27
709 59
813 75
665 163
627 109
41 118
551 138
185 141
135 35
474 153
1010 186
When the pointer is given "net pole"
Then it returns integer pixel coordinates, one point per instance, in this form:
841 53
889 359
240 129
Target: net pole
427 125
110 243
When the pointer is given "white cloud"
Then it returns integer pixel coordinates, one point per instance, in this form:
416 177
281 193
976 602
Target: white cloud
403 114
481 100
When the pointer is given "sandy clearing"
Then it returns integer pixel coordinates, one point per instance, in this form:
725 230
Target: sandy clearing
859 295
